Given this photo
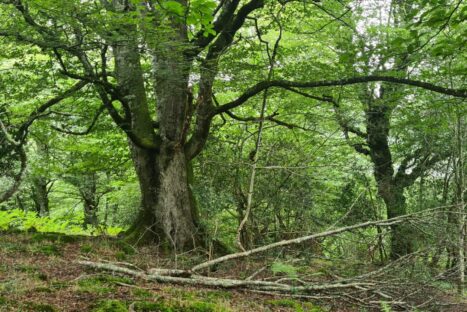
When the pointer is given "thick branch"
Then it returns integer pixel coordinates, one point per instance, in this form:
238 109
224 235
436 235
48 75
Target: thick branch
285 84
228 9
225 38
424 163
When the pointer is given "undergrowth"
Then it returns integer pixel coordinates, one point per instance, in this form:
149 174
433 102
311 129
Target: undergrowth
19 220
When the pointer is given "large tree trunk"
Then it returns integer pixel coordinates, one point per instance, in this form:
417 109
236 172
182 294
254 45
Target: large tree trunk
378 125
402 235
167 212
175 211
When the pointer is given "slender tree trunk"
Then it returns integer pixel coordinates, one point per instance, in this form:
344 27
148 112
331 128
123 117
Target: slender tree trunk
40 195
88 191
460 203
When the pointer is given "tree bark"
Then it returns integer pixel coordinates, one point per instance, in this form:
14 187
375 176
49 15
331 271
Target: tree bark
168 212
40 195
175 211
389 187
88 191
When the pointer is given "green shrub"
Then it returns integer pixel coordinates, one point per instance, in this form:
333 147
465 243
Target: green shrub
18 220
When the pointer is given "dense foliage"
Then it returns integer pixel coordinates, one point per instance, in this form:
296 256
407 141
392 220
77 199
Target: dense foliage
228 125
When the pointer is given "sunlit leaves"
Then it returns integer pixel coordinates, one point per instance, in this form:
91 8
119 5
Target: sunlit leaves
196 14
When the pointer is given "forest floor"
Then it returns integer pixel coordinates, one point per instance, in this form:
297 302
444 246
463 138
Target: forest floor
38 272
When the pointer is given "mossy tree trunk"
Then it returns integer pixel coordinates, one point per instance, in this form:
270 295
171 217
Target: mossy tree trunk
87 186
168 211
40 195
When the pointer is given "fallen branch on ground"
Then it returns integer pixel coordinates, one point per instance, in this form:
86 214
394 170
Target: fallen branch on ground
300 240
198 280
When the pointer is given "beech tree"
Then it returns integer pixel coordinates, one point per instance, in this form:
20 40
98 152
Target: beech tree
154 66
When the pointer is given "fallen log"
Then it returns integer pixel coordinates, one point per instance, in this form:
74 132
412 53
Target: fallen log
198 280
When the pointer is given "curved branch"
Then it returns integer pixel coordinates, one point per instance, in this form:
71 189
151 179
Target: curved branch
228 9
226 37
286 84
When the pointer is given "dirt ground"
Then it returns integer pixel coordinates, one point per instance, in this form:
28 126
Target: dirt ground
38 272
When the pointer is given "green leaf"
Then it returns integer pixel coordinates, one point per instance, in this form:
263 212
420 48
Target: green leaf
174 7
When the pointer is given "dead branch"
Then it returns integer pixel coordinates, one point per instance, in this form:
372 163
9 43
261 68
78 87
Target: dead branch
299 240
198 280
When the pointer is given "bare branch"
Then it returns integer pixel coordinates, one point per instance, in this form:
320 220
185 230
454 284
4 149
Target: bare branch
285 84
299 240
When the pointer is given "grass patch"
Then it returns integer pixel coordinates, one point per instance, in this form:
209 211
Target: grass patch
167 306
86 248
297 306
25 268
102 284
110 306
142 293
120 256
57 285
48 250
153 306
216 295
43 290
39 307
126 248
14 247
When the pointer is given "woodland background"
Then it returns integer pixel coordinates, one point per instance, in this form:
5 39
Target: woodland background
204 128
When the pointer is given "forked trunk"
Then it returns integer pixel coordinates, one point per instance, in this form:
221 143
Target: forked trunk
167 208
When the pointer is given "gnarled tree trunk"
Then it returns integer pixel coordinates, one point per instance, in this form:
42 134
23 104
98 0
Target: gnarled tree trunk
168 211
